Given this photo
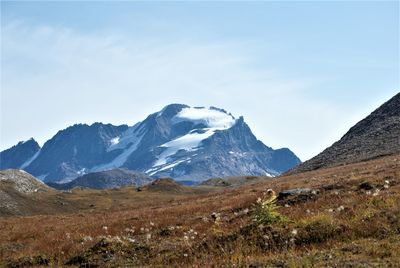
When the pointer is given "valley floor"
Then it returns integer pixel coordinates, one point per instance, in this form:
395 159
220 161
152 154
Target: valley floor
349 218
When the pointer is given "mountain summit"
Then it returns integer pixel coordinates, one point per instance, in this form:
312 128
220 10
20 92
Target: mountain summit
376 135
182 142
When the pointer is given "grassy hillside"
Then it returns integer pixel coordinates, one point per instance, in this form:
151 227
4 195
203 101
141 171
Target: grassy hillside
348 216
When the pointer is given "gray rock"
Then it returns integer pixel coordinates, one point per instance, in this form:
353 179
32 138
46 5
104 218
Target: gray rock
298 195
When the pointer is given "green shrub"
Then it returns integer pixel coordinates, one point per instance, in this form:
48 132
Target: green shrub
266 211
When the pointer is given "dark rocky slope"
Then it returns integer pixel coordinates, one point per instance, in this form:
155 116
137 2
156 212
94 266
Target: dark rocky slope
106 180
19 155
71 151
376 135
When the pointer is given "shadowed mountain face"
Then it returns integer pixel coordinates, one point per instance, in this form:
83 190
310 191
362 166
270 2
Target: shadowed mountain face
181 142
72 151
376 135
19 155
106 180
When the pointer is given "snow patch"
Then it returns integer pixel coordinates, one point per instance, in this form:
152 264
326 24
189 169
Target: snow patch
81 172
170 166
189 142
123 141
121 159
212 118
114 141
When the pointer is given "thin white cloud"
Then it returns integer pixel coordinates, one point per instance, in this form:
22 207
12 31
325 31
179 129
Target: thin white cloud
54 77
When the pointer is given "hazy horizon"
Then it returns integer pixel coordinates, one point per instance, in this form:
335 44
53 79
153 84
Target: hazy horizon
300 83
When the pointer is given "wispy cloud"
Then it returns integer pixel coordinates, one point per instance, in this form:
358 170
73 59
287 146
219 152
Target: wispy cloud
54 77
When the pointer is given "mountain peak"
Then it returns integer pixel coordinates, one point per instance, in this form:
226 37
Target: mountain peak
31 140
210 117
171 110
196 113
180 141
19 155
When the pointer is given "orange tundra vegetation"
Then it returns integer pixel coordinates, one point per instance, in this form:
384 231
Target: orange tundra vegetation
345 215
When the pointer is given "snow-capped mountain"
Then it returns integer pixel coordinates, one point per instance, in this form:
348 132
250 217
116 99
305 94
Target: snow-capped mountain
182 142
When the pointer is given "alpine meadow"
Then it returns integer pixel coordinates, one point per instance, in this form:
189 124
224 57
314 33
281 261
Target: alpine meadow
200 134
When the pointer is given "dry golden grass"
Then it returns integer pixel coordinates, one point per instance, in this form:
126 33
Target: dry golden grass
343 224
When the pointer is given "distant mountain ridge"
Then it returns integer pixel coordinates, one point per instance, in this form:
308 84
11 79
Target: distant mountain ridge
109 179
182 142
71 151
376 135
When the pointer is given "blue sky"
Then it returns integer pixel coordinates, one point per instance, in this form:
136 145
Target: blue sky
301 73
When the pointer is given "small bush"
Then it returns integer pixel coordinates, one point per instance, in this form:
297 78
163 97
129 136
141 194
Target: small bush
266 210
